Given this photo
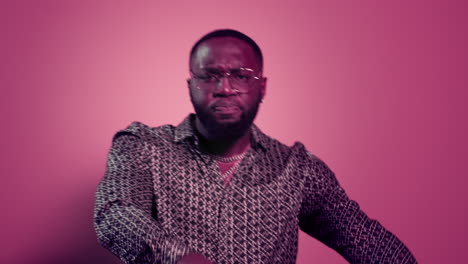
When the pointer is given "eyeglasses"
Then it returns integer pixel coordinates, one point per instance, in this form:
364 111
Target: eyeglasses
240 79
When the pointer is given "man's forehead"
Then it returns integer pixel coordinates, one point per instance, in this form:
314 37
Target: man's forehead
223 51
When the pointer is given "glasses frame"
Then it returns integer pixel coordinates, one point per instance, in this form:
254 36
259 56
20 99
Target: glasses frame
228 75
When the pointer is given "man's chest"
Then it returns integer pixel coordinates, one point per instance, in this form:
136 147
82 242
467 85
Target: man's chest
189 192
257 210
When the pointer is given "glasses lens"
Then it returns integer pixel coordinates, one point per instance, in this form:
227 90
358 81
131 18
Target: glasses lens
240 79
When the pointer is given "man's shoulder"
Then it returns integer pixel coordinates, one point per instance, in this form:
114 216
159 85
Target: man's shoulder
273 144
145 132
297 151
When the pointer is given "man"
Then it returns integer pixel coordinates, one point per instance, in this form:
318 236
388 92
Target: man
215 189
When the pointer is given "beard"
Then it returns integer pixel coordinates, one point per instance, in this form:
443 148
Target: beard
222 130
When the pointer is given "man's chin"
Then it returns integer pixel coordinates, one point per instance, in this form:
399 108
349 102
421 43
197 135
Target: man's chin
227 121
226 128
231 117
225 125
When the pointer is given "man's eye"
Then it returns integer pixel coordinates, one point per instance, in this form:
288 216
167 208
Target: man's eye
241 77
208 78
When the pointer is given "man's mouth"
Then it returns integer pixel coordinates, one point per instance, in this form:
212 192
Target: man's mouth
226 109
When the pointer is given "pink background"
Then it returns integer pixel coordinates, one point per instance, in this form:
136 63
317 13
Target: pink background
377 90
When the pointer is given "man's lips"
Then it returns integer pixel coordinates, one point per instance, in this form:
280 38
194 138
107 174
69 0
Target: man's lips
225 107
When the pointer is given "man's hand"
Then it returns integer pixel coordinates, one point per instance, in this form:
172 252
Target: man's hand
194 258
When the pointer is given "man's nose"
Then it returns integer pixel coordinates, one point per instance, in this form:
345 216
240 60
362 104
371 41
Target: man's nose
225 87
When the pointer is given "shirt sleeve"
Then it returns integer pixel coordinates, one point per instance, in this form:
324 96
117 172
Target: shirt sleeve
330 216
124 218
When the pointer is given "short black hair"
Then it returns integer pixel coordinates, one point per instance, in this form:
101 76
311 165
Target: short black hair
234 34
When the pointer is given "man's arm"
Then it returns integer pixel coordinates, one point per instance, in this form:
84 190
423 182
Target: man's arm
123 217
330 216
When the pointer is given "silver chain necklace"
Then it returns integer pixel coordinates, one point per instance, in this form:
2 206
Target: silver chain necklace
229 159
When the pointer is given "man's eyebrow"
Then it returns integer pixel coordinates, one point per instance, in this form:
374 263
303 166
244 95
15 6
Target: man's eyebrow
218 70
212 70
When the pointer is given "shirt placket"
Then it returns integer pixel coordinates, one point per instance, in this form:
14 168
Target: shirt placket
213 184
230 241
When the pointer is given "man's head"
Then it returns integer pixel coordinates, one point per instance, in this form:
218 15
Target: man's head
227 85
220 33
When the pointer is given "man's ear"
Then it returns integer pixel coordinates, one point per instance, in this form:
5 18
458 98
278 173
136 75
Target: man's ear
189 83
263 87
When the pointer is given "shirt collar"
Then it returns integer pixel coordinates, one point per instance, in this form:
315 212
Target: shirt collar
186 130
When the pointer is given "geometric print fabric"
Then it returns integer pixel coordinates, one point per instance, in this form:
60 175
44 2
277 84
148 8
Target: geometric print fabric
161 198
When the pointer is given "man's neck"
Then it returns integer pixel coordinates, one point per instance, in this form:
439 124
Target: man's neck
225 147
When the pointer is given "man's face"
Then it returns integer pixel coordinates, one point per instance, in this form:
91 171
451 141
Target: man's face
221 109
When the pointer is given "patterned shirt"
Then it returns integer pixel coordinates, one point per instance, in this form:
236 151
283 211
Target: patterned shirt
161 198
